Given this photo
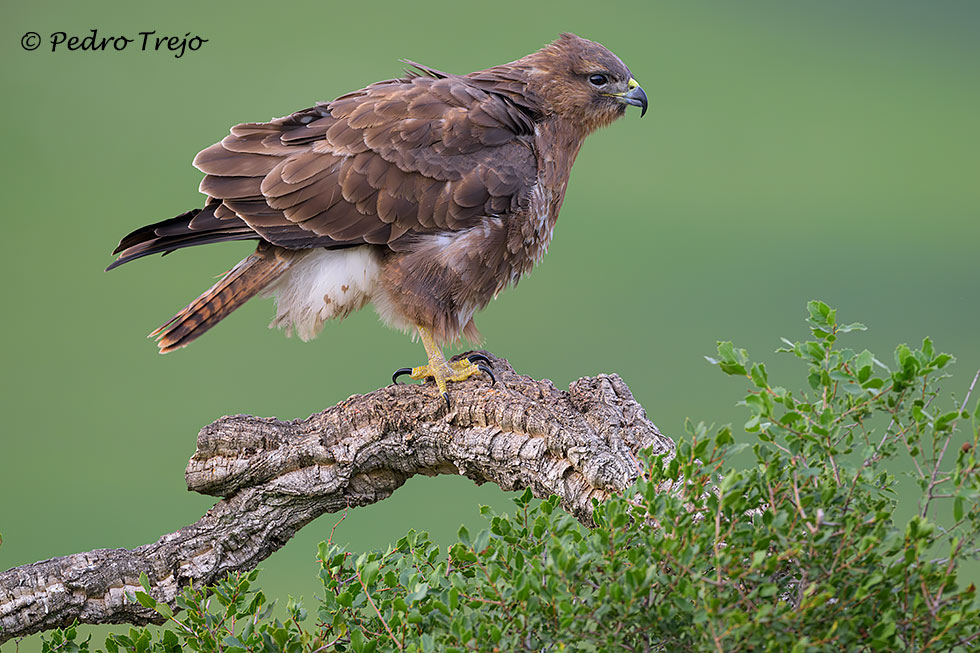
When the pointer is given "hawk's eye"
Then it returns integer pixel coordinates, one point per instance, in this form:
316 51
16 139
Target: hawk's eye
597 80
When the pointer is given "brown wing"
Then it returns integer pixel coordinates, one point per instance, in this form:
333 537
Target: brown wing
414 155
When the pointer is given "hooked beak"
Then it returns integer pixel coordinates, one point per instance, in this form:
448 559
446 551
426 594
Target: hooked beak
634 96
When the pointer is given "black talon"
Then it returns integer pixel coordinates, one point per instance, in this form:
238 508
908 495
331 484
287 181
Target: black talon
445 395
400 372
486 370
479 358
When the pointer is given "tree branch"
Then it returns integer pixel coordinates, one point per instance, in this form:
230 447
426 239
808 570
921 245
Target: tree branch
277 476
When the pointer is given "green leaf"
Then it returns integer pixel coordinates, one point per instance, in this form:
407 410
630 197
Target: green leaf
944 422
700 448
164 610
724 437
453 598
941 361
525 498
822 318
370 573
357 641
731 361
146 600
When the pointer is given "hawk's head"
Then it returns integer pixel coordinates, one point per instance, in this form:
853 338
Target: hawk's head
583 82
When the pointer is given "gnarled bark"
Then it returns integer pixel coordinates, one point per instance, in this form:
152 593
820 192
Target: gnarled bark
275 477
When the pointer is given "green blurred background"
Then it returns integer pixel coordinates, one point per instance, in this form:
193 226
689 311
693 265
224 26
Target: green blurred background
791 151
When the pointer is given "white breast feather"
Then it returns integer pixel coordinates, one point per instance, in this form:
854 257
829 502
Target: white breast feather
321 285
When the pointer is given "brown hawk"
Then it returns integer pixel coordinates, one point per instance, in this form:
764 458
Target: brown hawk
424 196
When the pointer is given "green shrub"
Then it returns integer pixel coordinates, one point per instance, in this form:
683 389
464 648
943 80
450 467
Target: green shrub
803 550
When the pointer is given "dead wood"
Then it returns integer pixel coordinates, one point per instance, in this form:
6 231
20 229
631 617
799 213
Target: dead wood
275 477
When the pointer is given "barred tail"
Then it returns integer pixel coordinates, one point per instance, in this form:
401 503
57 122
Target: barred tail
249 277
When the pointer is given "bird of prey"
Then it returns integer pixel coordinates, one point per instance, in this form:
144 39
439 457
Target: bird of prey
425 196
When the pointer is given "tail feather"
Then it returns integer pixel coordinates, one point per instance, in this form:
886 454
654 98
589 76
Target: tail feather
240 284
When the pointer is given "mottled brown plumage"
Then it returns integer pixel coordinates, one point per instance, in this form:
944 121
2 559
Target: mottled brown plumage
425 195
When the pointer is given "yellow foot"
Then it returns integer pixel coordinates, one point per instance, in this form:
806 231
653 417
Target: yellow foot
442 371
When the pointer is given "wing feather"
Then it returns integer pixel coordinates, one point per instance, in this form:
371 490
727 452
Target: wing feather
419 154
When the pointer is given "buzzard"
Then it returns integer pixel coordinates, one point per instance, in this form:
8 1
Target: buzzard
425 196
